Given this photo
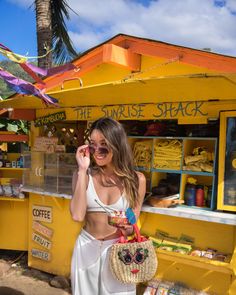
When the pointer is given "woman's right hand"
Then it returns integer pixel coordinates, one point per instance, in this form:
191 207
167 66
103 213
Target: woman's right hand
83 157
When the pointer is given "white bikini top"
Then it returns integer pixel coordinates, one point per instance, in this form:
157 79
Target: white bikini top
93 201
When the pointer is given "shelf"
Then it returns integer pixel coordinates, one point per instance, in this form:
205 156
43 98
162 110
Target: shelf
14 169
166 171
194 261
12 199
46 193
192 213
175 171
197 173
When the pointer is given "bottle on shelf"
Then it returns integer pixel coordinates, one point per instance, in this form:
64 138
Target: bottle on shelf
190 194
200 195
209 196
1 159
19 162
4 159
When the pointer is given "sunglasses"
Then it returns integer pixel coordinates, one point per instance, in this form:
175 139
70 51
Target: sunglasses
102 150
138 257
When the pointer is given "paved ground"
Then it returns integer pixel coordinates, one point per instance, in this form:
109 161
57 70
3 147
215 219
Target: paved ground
16 278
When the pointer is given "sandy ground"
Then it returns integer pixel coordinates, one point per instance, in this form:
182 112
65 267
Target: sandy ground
16 278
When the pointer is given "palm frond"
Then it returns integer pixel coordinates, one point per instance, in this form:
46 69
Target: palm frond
63 47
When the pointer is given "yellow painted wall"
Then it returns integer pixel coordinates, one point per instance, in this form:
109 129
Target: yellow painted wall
63 239
14 224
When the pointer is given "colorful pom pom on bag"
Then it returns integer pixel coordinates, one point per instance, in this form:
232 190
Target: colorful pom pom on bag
133 261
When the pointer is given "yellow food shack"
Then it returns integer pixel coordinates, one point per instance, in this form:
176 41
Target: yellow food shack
179 108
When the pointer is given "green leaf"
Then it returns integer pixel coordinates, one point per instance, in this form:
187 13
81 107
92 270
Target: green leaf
11 127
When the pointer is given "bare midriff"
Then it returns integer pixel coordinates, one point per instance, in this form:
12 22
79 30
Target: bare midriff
97 225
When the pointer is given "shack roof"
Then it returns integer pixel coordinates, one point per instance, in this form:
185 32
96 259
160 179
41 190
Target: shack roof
215 72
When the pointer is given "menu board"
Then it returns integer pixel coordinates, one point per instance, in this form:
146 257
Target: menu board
45 144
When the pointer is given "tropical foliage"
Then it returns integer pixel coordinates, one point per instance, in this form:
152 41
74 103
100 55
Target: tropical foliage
18 126
52 32
17 71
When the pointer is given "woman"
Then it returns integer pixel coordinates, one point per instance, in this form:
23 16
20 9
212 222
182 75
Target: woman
104 183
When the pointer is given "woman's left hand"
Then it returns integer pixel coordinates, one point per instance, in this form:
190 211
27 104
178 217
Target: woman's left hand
126 230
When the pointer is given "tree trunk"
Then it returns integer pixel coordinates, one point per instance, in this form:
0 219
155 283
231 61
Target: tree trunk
44 31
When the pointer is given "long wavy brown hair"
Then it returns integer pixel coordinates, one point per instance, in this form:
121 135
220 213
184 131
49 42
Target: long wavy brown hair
122 160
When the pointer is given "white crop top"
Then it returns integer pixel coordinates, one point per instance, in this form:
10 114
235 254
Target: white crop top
93 201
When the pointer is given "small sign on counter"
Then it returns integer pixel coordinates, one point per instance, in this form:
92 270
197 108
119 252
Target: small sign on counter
41 241
41 213
41 254
42 229
45 144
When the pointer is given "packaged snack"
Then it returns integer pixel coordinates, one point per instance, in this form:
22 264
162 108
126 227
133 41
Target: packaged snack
156 242
167 247
183 249
163 288
196 252
186 239
1 191
7 190
149 291
154 283
220 256
161 234
209 253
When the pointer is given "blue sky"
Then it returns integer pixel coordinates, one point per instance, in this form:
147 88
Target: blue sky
193 23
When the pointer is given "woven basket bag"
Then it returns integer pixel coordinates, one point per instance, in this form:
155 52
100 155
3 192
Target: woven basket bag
133 261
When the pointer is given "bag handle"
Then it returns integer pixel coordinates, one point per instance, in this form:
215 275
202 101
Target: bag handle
138 236
137 232
132 220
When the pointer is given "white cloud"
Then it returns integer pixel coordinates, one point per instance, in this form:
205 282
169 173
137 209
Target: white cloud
192 23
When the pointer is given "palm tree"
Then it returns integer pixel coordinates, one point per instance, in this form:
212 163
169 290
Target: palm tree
52 32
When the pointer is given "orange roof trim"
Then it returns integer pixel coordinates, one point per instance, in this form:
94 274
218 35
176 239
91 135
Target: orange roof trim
125 50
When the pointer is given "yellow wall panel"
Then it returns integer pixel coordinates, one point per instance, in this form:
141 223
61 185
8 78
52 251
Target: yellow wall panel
63 239
14 224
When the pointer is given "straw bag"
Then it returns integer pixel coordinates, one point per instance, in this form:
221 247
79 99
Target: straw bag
133 261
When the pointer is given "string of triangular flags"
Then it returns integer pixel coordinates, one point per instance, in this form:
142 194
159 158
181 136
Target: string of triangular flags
24 87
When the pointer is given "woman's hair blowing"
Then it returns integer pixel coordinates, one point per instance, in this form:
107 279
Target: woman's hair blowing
122 160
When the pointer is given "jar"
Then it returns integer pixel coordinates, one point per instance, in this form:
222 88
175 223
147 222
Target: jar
209 196
200 195
231 196
190 194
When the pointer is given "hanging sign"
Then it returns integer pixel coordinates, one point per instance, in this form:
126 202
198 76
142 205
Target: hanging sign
42 213
41 241
50 119
165 110
45 144
42 229
41 254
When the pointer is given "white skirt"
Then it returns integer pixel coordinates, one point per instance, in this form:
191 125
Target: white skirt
90 273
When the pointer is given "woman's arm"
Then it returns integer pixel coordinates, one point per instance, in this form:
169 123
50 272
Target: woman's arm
141 194
78 204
